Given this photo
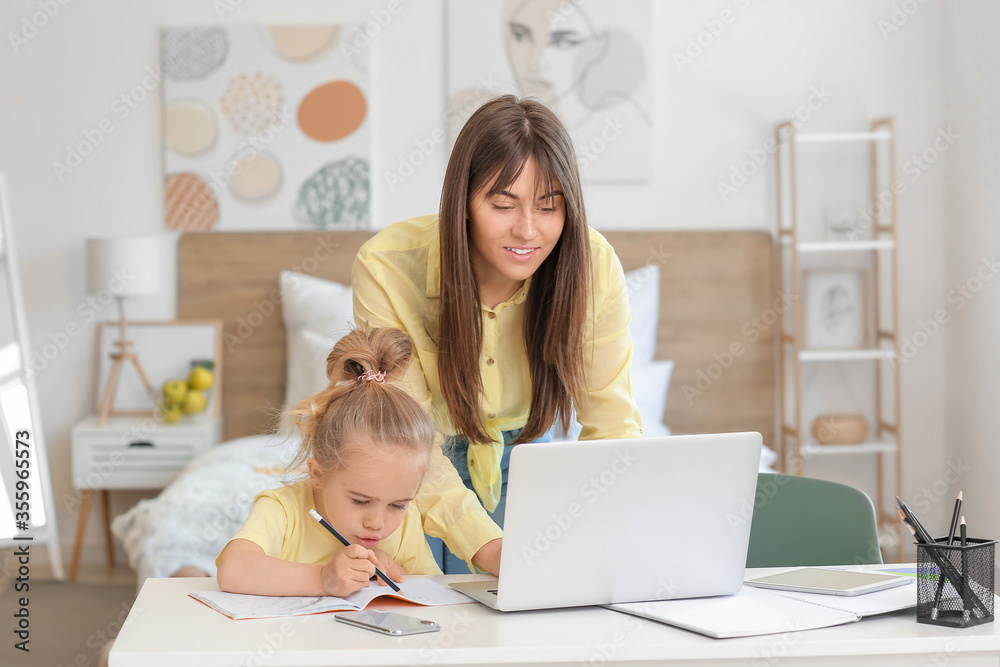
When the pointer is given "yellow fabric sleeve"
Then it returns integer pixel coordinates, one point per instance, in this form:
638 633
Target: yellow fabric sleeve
265 526
610 410
449 510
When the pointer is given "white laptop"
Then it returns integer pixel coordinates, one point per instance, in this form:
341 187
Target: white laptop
605 521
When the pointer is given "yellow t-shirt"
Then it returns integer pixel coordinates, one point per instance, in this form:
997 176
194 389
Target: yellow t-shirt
396 279
279 523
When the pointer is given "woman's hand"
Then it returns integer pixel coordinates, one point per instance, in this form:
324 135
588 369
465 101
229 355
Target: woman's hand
488 557
390 567
348 571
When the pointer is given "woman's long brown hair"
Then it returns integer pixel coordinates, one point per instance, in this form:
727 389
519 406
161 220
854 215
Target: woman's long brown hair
491 152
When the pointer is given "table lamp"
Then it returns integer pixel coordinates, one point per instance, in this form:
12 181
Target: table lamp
126 266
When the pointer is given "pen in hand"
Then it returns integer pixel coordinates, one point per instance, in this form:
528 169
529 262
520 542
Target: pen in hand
343 540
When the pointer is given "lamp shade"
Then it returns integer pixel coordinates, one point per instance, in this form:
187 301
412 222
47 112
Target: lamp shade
126 266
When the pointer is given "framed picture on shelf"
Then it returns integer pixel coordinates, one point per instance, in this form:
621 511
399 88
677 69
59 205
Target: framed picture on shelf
836 310
166 350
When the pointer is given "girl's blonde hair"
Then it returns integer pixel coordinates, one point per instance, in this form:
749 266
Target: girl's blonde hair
360 404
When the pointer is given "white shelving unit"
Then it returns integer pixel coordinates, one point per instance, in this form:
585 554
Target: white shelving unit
878 249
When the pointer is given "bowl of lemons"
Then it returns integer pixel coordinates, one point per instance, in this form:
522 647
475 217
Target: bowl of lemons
187 396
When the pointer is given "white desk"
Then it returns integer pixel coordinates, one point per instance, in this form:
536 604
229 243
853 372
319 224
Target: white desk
166 628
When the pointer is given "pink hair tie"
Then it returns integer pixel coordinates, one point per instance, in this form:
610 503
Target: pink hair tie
370 375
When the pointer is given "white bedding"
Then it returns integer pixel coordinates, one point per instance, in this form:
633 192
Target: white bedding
190 522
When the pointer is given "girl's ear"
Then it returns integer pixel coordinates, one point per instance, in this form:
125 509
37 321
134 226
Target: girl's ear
316 475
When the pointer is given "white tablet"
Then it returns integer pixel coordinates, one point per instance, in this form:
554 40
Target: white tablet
829 581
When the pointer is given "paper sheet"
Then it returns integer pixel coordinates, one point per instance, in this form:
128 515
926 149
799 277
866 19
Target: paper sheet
238 607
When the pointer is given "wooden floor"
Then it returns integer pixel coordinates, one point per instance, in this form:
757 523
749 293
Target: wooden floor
70 622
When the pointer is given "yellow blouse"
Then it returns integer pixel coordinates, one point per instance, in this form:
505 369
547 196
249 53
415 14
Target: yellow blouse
396 284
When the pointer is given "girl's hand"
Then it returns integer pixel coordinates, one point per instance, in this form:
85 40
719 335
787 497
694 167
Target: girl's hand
348 571
390 567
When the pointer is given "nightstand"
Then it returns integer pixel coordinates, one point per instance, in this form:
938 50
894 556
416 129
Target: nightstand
132 453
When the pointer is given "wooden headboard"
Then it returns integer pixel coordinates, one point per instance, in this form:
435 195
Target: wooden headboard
715 289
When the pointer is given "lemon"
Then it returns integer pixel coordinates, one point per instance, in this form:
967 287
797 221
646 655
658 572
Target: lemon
171 413
194 402
200 378
174 392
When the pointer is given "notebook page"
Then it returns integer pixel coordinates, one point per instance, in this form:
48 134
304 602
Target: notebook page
421 591
238 606
879 602
747 613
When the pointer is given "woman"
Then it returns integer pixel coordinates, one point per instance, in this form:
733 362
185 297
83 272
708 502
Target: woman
517 308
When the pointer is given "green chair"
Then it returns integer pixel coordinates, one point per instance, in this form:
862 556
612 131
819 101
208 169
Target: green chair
804 521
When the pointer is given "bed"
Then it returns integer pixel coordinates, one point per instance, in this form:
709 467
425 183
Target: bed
698 298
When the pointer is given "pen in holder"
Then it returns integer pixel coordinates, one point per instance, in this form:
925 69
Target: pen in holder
955 583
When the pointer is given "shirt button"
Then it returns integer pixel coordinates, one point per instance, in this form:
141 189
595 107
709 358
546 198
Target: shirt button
491 315
489 362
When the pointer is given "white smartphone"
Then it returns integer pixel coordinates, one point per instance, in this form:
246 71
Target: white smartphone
387 622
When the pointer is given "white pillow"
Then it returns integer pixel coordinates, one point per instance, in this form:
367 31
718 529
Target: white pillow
650 382
643 286
317 313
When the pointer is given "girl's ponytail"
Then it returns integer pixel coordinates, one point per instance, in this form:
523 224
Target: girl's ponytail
361 403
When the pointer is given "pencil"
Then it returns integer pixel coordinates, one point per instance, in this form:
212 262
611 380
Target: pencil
954 519
962 527
945 567
343 540
951 540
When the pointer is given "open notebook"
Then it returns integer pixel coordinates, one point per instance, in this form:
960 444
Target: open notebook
755 611
238 606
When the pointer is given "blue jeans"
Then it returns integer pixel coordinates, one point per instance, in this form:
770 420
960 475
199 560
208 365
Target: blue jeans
457 449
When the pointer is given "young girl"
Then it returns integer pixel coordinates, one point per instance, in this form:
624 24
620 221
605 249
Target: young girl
366 444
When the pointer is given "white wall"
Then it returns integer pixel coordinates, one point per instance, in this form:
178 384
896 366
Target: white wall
973 233
764 65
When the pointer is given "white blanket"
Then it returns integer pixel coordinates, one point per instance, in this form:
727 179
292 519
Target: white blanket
190 522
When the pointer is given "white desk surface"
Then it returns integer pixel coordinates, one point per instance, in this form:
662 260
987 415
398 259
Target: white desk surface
166 628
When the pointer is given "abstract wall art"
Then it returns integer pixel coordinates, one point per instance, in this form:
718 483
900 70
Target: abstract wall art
265 127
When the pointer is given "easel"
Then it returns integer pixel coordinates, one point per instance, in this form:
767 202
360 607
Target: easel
106 405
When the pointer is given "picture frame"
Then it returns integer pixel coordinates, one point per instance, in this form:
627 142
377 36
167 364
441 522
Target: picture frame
836 310
166 349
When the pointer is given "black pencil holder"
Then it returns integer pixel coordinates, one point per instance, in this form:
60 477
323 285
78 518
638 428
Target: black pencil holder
955 583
